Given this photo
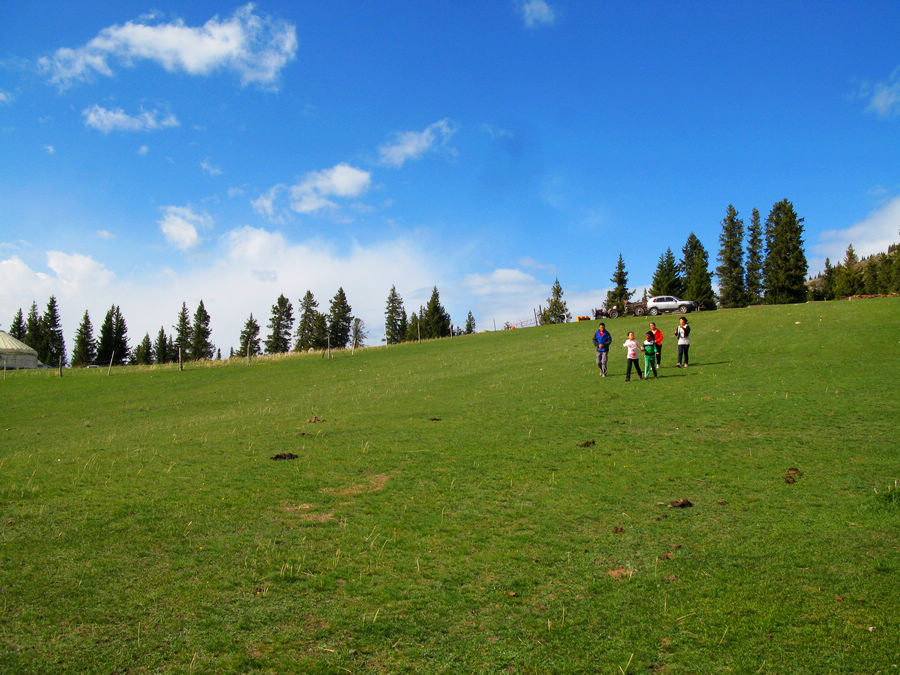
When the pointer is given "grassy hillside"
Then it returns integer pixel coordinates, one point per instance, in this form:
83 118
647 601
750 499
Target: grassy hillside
450 514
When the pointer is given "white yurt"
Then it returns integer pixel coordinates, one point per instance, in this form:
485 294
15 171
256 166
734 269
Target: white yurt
15 354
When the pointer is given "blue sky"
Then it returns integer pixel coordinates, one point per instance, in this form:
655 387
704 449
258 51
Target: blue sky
155 153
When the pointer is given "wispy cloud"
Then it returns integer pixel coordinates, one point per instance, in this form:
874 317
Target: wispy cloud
50 150
883 97
210 168
255 47
408 145
315 191
5 97
536 13
106 120
105 234
143 150
179 226
873 234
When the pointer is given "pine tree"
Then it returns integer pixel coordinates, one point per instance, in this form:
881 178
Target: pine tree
730 271
161 352
698 280
557 311
250 337
17 327
753 281
34 332
201 347
171 350
619 296
339 320
320 331
84 351
666 280
470 324
435 323
113 342
394 316
358 333
828 281
281 324
143 353
53 334
847 277
184 334
785 268
306 327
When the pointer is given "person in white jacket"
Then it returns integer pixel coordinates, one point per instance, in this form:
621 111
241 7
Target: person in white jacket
683 333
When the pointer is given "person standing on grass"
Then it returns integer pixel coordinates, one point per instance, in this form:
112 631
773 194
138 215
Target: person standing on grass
602 340
657 337
632 346
649 350
683 333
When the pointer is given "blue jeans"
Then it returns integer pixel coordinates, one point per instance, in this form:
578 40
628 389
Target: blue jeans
683 353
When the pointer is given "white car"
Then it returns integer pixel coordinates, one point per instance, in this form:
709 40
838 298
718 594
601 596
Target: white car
669 303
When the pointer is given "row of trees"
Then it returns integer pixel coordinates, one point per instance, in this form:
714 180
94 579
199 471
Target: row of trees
431 320
873 275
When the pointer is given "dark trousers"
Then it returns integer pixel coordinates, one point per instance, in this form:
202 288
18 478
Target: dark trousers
683 354
637 368
658 355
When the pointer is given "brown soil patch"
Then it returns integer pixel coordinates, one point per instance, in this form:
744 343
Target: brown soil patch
619 573
317 517
285 455
587 444
617 530
434 419
680 504
375 484
300 507
314 419
792 474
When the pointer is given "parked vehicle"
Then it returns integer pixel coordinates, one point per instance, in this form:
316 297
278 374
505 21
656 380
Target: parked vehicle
669 303
614 312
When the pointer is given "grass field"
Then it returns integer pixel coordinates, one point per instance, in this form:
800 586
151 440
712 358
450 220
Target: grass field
445 514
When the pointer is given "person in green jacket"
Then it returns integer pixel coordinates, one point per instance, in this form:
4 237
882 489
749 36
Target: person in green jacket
649 350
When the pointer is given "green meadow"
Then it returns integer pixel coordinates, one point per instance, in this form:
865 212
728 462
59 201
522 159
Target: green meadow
485 502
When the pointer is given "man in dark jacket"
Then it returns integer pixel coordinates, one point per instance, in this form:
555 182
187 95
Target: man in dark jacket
602 340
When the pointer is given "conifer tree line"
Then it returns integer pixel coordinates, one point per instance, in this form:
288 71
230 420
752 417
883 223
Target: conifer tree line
876 274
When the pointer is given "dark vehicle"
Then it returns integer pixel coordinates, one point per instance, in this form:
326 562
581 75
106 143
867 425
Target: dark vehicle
614 312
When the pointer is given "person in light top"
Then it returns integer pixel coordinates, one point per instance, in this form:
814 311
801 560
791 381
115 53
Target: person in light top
633 348
683 333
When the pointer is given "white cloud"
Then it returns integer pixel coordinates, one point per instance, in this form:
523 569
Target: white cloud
179 226
408 145
884 97
105 234
254 47
265 203
50 150
874 234
5 97
314 191
106 120
210 168
536 13
143 150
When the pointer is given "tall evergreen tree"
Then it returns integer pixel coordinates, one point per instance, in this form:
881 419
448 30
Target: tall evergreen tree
785 268
184 334
619 296
698 280
113 342
470 323
340 320
306 327
17 327
666 280
171 349
281 324
161 352
848 277
34 332
55 342
250 338
394 316
84 351
412 327
435 323
753 281
143 353
730 271
320 331
828 281
557 310
201 347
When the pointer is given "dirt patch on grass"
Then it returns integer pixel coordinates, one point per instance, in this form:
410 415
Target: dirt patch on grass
314 420
587 444
299 507
680 504
316 517
285 455
620 573
376 483
792 474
